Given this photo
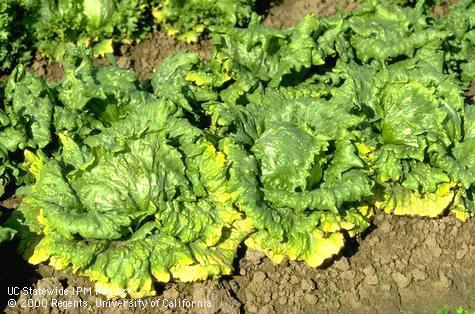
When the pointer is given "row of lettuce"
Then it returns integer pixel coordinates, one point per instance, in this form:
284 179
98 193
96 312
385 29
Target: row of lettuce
49 26
286 141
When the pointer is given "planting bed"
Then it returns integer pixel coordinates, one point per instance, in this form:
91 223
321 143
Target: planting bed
400 264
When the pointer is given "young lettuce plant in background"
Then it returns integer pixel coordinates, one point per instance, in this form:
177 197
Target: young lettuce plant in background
51 26
54 25
188 19
13 39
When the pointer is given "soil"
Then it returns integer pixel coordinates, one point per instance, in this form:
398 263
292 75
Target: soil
148 54
287 13
410 265
50 71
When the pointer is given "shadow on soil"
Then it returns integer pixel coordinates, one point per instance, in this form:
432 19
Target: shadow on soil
351 247
14 272
263 6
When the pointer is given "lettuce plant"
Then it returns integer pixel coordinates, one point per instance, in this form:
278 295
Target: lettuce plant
188 19
95 23
132 193
336 114
151 208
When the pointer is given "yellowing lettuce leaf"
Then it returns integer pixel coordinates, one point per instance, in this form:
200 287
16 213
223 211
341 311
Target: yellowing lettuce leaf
400 201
